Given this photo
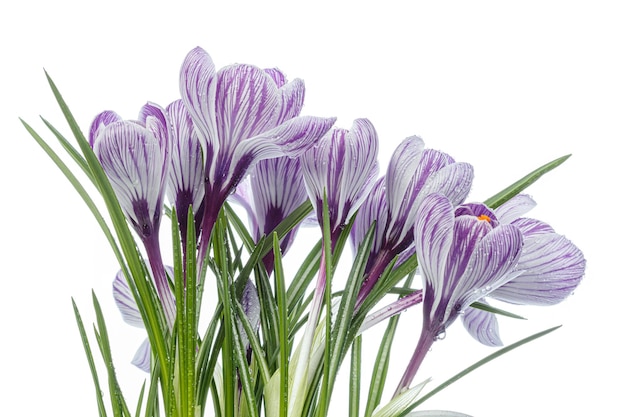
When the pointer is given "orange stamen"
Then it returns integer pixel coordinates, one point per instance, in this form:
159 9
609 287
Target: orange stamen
484 217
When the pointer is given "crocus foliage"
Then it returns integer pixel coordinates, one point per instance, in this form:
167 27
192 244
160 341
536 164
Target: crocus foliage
274 341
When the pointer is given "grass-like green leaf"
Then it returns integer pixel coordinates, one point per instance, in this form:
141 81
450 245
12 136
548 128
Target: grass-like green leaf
92 366
492 309
477 365
118 402
521 184
281 302
131 262
354 388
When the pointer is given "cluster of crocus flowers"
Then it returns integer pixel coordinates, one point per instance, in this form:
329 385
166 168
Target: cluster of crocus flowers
237 133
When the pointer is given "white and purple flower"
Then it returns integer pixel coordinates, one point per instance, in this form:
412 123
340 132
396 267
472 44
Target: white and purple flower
185 185
550 266
242 114
464 254
135 156
272 191
343 166
413 174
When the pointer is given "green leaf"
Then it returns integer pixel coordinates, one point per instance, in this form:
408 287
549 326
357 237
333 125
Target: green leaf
281 301
477 365
117 399
92 366
131 263
492 309
355 378
521 184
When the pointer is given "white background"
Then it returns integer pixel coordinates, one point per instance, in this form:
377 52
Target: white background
504 87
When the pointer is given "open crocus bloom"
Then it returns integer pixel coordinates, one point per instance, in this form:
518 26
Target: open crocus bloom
242 114
550 266
464 254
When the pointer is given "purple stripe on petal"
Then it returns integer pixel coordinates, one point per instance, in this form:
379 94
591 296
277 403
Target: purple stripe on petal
126 302
105 118
552 268
482 325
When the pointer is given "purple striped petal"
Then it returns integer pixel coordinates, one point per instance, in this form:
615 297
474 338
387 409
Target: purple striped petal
135 163
198 86
289 139
343 165
105 118
277 75
246 100
125 301
482 326
515 208
374 208
186 175
278 189
243 196
454 181
490 266
142 357
462 259
291 100
531 227
552 268
434 234
409 170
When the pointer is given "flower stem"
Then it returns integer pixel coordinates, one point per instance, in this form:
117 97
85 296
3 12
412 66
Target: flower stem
426 340
160 278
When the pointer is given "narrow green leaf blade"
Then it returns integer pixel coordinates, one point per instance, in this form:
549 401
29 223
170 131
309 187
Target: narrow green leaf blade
521 184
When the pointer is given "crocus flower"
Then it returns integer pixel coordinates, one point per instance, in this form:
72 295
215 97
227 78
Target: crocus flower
413 174
273 190
464 254
135 157
241 114
551 268
342 166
